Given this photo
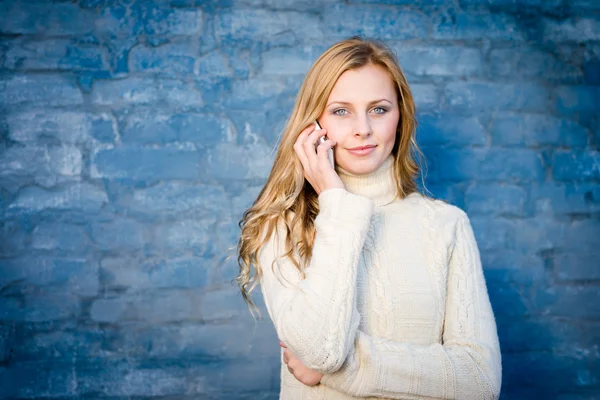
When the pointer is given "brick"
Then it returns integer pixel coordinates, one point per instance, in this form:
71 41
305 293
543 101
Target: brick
515 165
474 97
372 21
502 3
566 198
580 29
140 91
120 234
198 380
179 197
496 199
108 310
308 5
223 304
192 341
71 275
532 130
567 301
57 346
158 307
45 19
67 127
248 25
132 379
515 336
132 275
506 267
13 237
238 163
439 60
461 25
507 301
39 90
576 166
204 130
81 196
171 59
29 381
244 200
426 96
59 236
537 235
450 130
54 54
570 99
217 63
176 22
580 237
290 61
146 163
40 308
563 372
397 2
493 234
46 166
577 267
258 94
529 63
156 22
187 234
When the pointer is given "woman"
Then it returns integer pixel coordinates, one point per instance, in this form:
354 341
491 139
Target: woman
375 290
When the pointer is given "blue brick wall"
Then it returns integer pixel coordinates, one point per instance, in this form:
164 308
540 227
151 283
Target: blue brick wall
133 134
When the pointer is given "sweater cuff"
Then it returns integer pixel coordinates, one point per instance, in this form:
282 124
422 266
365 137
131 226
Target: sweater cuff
344 207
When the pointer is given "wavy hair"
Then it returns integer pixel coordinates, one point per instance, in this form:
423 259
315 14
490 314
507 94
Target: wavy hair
287 197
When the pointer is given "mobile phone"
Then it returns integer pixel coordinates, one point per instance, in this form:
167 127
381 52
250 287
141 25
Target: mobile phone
323 139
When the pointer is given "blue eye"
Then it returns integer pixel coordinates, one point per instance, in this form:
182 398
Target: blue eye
341 112
380 110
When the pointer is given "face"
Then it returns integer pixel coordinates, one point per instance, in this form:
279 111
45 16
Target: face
362 116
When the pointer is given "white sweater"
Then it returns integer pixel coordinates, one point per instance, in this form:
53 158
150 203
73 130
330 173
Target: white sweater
394 303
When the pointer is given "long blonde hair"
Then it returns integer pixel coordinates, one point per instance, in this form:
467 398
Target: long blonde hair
287 197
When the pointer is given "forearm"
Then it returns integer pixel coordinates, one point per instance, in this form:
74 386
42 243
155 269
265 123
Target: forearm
383 368
316 316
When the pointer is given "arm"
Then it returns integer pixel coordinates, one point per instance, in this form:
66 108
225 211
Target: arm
466 366
316 317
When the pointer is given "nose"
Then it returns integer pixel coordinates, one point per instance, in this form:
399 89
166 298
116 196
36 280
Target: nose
363 126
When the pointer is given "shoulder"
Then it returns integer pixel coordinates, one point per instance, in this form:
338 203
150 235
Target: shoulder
436 218
438 210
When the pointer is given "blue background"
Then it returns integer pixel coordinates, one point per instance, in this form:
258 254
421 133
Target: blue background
133 134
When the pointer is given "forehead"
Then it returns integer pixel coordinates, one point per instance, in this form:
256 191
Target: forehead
364 84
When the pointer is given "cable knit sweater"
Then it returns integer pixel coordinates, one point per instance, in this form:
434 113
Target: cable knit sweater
394 302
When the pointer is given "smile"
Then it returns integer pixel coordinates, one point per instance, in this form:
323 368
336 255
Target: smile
362 150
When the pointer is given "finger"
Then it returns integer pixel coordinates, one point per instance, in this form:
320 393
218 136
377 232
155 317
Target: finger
282 344
310 145
291 371
322 152
313 138
301 153
304 134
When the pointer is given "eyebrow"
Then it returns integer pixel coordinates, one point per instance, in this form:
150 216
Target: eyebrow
345 103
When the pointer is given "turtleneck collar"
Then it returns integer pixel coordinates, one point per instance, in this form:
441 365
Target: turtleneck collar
378 186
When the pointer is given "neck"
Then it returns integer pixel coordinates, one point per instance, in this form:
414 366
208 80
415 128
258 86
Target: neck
378 185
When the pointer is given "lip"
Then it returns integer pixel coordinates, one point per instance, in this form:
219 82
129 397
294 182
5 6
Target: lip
362 150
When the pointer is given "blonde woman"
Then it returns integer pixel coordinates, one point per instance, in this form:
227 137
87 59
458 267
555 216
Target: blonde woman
375 290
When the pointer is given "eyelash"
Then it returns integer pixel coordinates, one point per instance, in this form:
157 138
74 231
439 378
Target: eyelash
336 112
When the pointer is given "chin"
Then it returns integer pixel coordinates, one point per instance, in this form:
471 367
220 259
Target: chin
362 167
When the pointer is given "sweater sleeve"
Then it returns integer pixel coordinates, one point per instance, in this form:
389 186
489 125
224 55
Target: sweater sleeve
316 317
466 366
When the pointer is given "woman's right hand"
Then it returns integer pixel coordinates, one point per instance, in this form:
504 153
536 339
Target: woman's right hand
317 169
